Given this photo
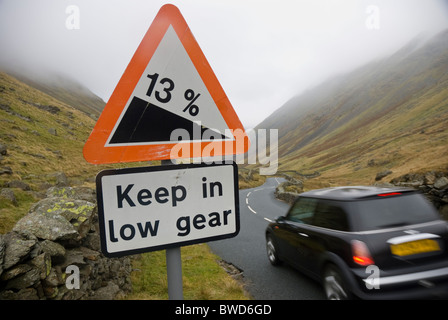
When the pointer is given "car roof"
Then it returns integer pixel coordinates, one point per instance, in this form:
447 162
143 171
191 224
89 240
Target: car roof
349 193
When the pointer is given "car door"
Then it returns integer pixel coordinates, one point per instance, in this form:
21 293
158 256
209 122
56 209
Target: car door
291 230
320 234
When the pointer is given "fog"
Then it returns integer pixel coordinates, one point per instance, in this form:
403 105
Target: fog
263 52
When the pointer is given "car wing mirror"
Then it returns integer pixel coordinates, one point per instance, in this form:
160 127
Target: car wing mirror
280 219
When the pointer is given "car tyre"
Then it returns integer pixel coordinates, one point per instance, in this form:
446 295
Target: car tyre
272 251
334 284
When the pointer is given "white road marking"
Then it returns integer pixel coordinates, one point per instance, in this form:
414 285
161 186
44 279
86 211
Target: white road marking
248 206
247 202
258 189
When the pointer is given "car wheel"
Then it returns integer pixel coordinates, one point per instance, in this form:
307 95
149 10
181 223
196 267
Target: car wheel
334 286
272 252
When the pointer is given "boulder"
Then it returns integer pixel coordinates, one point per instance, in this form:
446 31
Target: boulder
382 174
16 249
5 170
429 178
19 185
25 280
54 249
441 183
8 195
109 292
77 213
46 226
3 150
15 271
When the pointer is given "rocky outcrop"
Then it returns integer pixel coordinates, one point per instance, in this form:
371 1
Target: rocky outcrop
54 252
382 174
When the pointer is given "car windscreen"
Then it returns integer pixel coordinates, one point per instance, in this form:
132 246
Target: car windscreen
393 211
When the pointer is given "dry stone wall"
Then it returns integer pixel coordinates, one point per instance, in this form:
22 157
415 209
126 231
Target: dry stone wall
281 191
54 252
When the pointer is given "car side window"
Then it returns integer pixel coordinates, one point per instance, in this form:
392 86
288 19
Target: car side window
331 216
302 211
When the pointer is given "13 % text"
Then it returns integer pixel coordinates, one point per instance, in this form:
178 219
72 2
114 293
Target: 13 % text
165 95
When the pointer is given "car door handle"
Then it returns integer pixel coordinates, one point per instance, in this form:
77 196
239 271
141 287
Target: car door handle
302 234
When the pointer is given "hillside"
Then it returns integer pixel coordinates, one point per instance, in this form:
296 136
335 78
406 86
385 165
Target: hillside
41 141
391 114
67 91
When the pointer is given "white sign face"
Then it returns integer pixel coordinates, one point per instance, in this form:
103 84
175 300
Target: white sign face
170 88
154 208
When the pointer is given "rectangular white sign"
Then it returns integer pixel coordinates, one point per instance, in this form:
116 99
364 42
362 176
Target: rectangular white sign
154 208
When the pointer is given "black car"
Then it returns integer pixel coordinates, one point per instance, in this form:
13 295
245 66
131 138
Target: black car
365 242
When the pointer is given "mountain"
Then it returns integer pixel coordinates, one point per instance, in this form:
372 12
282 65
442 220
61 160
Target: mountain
391 114
65 90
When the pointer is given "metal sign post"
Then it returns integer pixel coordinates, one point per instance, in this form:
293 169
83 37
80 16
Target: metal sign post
174 266
174 274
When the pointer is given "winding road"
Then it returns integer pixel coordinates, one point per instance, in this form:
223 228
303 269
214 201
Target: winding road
247 251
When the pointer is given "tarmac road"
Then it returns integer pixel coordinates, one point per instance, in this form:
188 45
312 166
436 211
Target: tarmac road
247 251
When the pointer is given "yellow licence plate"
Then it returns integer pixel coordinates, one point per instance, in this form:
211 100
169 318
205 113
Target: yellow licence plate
414 247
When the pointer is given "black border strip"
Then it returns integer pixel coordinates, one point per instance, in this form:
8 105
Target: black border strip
102 225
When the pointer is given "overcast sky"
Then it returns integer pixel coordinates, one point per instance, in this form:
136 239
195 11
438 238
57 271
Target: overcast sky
263 52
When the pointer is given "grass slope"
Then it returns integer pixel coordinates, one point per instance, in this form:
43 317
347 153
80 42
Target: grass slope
67 91
42 136
203 277
388 115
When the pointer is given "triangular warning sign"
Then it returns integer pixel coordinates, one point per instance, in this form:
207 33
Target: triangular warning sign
168 104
